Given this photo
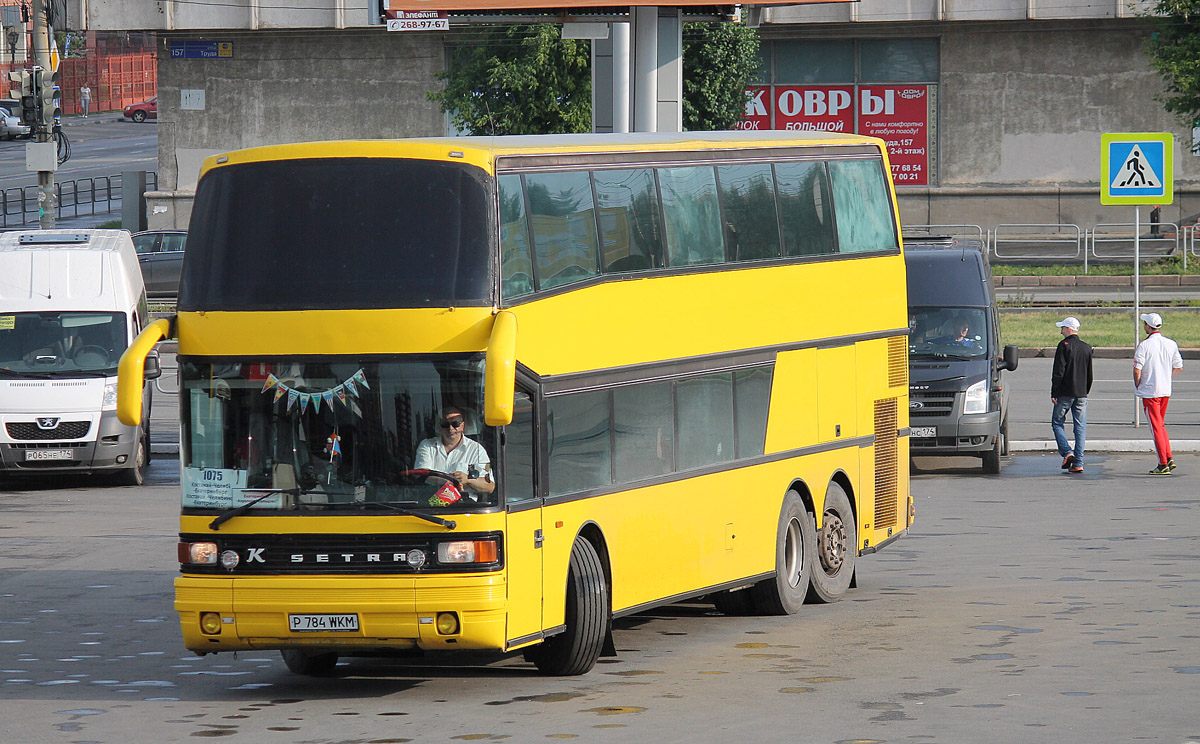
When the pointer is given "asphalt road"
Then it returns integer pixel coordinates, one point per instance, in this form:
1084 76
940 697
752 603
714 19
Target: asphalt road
1038 607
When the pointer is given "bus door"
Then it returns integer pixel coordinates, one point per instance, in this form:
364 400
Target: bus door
523 535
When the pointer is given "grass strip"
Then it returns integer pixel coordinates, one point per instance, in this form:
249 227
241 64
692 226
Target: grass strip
1112 328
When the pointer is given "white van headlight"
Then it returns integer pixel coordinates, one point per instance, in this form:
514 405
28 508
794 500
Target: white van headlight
977 398
109 402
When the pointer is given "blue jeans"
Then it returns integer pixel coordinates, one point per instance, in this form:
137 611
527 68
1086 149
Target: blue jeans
1078 409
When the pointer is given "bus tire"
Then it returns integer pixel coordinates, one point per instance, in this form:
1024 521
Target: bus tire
299 661
836 547
795 546
734 602
575 650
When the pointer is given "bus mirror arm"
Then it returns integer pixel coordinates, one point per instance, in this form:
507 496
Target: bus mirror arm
132 371
500 371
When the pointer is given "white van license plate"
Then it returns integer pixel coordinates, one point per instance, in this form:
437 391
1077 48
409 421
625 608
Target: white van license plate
923 432
322 623
48 454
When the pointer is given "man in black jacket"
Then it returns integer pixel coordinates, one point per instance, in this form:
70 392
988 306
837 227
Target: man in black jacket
1069 386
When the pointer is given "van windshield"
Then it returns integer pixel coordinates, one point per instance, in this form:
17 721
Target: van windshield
947 332
62 344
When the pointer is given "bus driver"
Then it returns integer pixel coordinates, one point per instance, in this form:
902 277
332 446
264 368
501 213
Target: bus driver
451 452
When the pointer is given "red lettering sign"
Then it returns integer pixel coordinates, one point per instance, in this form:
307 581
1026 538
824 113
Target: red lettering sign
899 115
815 108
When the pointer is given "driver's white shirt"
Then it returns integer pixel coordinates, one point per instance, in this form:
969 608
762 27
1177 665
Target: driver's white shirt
432 455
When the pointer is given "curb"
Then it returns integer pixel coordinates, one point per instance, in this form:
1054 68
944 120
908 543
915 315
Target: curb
164 448
1106 445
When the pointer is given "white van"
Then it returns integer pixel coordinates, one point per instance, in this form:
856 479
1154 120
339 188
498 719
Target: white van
70 303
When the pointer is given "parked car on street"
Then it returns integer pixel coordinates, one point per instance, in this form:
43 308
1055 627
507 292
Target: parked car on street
160 254
139 112
11 126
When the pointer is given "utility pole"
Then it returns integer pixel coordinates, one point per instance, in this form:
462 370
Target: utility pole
42 154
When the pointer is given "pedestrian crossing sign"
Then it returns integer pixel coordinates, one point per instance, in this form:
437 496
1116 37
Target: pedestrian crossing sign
1136 168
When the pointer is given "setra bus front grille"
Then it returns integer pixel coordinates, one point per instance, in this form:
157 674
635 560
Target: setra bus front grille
346 554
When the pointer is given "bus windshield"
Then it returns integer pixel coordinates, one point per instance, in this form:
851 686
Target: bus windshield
333 433
62 344
947 332
339 233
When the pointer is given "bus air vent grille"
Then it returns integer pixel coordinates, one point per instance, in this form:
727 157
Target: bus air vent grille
886 463
897 361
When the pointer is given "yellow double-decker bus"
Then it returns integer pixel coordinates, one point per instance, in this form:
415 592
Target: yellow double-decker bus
491 393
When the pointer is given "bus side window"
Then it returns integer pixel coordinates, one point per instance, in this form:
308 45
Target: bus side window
517 478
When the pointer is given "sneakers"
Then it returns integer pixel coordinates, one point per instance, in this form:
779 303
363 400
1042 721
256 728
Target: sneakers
1171 463
1076 468
1068 461
1164 469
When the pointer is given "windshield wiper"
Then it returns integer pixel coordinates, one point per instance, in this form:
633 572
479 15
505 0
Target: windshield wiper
237 511
34 375
447 523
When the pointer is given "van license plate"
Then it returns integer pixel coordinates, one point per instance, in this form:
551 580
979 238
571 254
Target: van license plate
923 432
322 623
49 454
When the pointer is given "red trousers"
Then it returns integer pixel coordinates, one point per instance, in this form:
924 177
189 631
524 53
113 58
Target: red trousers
1156 411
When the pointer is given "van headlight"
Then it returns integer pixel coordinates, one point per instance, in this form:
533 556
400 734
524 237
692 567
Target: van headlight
977 398
109 402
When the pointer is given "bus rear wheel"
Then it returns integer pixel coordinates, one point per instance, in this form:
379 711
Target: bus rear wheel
299 661
794 549
575 650
837 545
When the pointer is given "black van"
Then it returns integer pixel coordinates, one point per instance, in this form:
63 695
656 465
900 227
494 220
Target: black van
958 403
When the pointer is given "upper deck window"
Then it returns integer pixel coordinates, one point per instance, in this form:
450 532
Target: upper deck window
339 233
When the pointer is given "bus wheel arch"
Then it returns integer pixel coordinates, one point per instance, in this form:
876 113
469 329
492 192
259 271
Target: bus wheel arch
588 615
836 544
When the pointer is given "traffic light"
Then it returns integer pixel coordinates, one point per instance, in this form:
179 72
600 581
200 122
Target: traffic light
23 93
50 95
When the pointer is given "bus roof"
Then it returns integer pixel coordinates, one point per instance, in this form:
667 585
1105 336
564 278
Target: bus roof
482 151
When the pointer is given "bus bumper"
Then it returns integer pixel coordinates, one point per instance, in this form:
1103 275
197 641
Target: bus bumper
393 613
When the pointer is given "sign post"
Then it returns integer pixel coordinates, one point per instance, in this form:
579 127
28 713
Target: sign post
1137 168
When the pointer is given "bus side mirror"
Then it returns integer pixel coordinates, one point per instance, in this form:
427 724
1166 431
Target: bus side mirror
1010 358
131 371
500 371
153 368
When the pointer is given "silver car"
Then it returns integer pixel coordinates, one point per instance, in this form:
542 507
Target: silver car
11 126
160 254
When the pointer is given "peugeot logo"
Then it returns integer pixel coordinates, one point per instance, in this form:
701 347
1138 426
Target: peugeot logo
915 405
46 422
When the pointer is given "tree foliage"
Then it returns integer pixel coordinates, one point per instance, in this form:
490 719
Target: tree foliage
1174 51
527 80
519 80
719 61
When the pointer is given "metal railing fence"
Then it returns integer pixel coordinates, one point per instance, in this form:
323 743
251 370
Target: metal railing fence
74 198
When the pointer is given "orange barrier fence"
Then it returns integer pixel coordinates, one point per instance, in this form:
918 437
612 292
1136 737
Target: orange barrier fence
116 80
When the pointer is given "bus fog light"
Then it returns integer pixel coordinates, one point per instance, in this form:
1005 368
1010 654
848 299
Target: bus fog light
230 559
210 623
467 551
447 623
204 553
416 558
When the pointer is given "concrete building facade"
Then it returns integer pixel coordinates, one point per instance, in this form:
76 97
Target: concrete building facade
1023 93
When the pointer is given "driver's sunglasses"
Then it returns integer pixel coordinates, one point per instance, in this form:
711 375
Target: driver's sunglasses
455 424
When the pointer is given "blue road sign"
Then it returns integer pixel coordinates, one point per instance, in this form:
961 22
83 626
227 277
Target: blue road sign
1136 168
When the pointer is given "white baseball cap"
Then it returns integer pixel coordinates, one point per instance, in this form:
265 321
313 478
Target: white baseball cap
1069 322
1154 320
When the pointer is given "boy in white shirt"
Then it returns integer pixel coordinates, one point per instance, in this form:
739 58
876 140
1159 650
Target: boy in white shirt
1155 361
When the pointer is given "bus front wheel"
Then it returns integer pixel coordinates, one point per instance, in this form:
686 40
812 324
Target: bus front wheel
575 650
304 662
794 548
837 544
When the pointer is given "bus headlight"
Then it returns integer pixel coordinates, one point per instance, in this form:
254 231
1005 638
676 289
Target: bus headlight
977 398
202 553
467 551
109 401
447 623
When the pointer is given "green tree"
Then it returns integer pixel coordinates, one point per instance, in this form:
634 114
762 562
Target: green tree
1174 51
527 80
719 61
518 80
